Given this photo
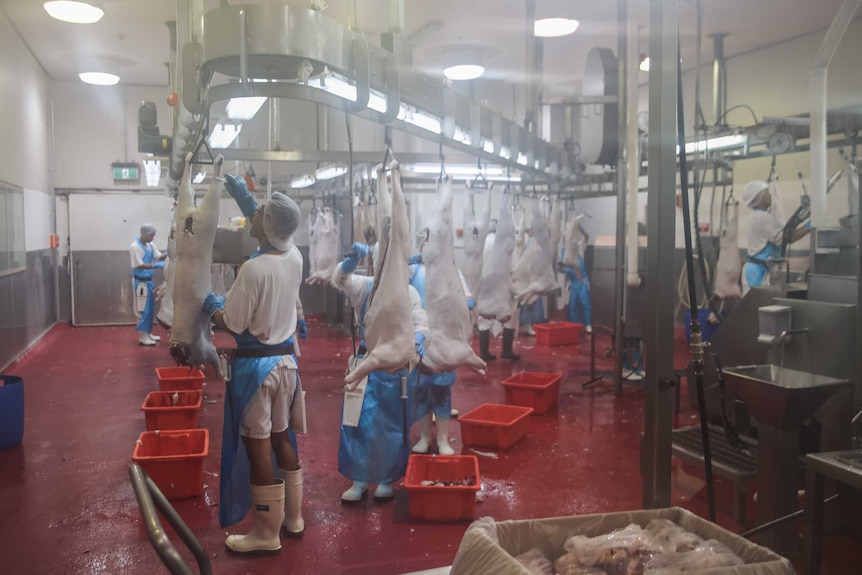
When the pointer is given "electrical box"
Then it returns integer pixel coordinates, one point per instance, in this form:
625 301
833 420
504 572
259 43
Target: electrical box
149 139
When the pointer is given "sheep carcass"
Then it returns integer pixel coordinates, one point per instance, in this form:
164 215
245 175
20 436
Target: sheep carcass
475 227
729 266
389 333
495 296
191 343
445 301
533 275
326 250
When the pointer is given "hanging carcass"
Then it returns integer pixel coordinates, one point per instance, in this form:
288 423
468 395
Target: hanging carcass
475 229
533 275
495 296
445 301
325 257
191 342
389 334
729 266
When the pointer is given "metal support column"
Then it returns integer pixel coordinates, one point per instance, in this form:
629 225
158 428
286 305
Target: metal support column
658 412
624 91
719 74
530 104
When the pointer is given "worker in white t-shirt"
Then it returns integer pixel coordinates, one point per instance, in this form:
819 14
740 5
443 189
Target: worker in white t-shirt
260 311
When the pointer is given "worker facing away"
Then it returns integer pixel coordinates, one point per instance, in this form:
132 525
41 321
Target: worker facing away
580 306
764 234
260 311
373 447
145 258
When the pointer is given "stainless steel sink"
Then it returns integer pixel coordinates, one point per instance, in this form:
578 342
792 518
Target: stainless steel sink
780 396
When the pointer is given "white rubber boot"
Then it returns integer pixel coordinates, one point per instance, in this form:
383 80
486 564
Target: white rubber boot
384 491
293 522
144 338
154 337
356 492
424 443
443 447
267 509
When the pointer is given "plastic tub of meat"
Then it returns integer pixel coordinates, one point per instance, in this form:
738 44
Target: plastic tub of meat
172 409
557 333
530 389
174 460
179 378
442 488
493 425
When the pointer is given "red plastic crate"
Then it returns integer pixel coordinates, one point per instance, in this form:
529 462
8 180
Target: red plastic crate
537 390
494 425
162 412
179 378
441 503
557 333
174 460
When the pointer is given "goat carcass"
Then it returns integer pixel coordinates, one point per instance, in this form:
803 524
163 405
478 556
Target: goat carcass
165 293
445 301
326 250
729 266
533 275
556 225
196 228
389 333
475 227
494 301
573 246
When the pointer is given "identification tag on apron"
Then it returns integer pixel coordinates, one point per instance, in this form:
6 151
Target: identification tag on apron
298 420
141 297
353 399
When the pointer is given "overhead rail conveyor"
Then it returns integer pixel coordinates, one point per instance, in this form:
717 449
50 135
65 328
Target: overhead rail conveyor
302 54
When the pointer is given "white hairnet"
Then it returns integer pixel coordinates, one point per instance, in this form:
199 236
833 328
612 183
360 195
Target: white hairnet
751 194
147 229
280 220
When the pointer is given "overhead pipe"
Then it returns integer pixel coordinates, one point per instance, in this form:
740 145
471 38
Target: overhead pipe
633 278
530 103
719 74
817 94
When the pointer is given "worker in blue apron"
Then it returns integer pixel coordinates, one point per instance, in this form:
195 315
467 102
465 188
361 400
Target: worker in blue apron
260 467
580 308
434 392
374 447
765 233
145 257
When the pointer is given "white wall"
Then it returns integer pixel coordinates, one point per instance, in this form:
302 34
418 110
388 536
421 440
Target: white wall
39 222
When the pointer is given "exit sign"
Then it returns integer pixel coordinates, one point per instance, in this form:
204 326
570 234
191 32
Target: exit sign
126 172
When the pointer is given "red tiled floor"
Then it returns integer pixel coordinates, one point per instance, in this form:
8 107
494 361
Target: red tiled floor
66 505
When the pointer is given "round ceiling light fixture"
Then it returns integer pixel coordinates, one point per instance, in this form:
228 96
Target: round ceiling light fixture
464 71
555 27
99 78
76 12
98 71
644 65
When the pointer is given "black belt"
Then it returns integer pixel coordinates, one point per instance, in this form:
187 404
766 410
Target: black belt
757 261
362 350
261 351
140 279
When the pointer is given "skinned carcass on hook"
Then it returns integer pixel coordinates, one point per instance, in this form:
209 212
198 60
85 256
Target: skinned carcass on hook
729 267
326 247
572 240
389 333
165 293
475 228
495 289
191 342
533 275
445 300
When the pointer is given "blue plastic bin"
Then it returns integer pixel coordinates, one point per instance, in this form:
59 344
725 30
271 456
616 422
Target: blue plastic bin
11 411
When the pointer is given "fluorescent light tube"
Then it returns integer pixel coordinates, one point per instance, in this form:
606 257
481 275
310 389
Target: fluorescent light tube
455 169
522 158
302 182
338 87
199 177
329 172
505 153
488 146
244 108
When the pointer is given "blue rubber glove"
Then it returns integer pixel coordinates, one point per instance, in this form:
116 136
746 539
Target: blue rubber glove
417 259
361 249
158 265
471 303
808 226
213 303
235 186
420 344
302 329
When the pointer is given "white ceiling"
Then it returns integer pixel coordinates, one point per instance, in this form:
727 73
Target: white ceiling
134 33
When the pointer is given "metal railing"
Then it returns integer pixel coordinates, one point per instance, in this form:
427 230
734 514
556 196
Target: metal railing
150 498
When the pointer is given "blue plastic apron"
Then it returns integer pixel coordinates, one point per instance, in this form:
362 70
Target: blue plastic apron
580 307
375 451
247 375
145 276
755 272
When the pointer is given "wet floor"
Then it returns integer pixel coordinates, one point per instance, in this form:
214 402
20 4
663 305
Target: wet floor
66 504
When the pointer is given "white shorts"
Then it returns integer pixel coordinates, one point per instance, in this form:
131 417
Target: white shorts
268 411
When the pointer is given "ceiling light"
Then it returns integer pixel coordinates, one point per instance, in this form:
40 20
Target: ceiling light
75 12
199 177
505 153
338 87
223 135
522 158
99 78
152 172
456 169
555 27
462 136
302 182
244 108
644 66
419 119
464 71
719 143
488 146
330 172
